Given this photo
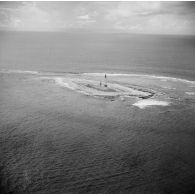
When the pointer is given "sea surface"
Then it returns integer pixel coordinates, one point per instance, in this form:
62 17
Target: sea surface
98 52
56 136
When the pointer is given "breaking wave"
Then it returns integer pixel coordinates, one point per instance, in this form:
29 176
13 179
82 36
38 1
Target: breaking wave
146 103
163 78
190 93
91 84
19 71
93 87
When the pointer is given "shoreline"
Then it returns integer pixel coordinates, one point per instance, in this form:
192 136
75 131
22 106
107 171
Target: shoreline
140 89
91 87
97 74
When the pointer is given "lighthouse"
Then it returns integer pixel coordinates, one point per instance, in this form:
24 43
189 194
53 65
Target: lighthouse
105 84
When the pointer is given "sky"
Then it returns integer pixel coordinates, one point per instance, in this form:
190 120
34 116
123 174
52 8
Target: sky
153 17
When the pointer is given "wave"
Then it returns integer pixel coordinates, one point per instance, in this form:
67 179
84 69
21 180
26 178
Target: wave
19 71
93 88
146 103
163 78
64 83
190 93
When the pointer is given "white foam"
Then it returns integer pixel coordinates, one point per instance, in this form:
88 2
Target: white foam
146 103
168 87
20 71
190 93
162 78
82 85
65 83
108 74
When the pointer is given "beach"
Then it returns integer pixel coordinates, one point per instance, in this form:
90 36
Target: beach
59 136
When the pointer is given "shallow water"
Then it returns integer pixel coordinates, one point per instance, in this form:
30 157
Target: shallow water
57 140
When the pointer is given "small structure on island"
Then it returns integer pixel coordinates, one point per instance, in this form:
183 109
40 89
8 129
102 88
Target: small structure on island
105 84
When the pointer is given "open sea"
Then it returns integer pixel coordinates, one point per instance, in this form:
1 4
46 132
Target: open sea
57 140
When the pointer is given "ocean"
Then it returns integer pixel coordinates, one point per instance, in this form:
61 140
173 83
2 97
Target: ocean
63 131
98 52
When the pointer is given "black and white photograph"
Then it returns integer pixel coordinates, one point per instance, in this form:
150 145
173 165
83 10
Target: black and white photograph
97 97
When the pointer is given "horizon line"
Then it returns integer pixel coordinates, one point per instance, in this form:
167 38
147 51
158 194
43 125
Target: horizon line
79 31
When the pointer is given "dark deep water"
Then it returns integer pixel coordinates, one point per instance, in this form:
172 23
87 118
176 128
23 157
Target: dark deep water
95 52
54 140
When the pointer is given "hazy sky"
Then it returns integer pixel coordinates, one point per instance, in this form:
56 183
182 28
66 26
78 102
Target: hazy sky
134 17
